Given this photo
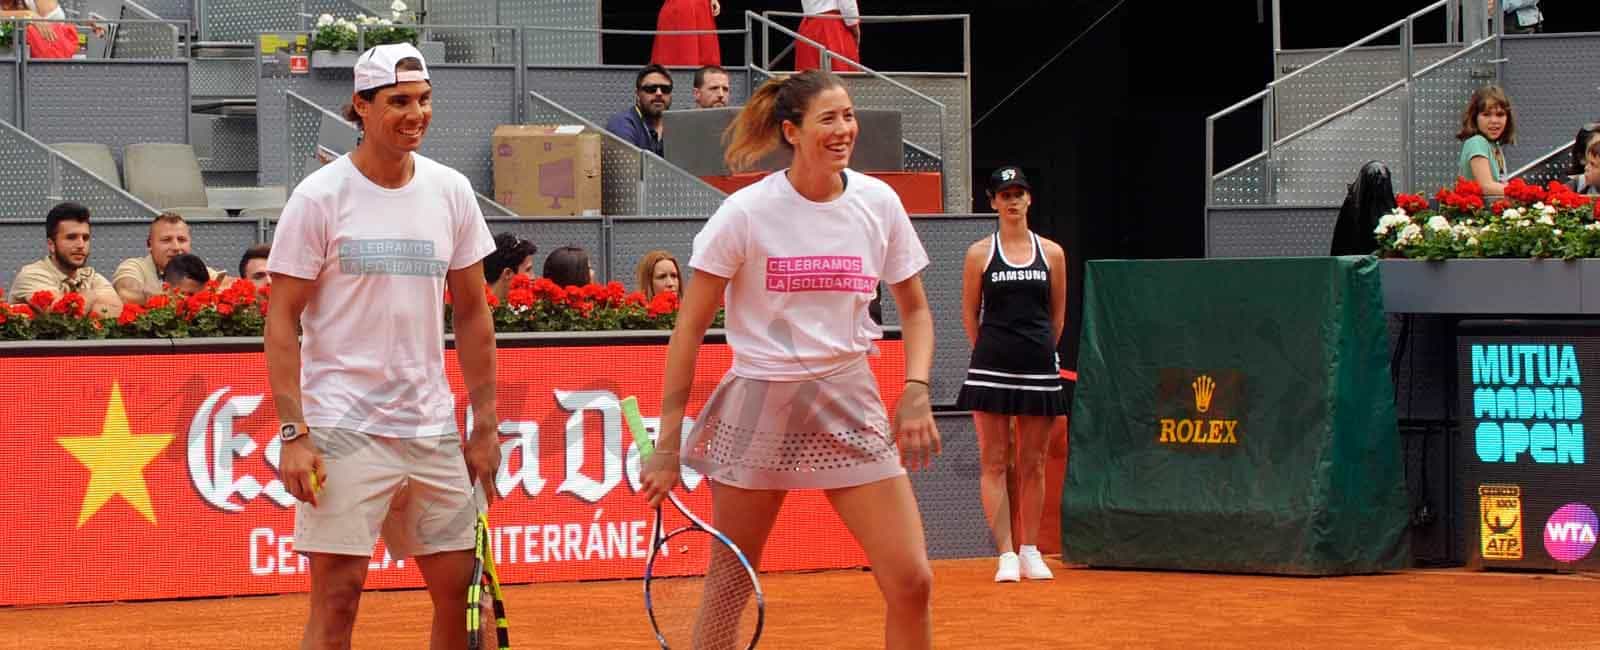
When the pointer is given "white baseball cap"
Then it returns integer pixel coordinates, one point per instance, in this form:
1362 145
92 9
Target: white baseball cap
375 68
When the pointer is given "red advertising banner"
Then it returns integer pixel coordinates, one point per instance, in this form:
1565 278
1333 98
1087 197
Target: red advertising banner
154 476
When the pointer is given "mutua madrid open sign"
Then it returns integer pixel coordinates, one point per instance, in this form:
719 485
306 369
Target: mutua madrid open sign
1530 413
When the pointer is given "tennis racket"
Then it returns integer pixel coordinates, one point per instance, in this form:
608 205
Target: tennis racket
485 580
700 590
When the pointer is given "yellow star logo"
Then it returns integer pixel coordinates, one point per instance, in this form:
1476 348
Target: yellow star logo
116 461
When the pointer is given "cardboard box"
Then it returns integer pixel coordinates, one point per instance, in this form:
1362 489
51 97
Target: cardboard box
547 171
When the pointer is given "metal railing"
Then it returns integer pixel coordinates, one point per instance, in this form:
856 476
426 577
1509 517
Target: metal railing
333 137
64 179
1551 166
652 170
751 19
768 59
1268 98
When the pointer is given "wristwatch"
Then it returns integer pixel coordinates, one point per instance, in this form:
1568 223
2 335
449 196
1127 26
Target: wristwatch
291 430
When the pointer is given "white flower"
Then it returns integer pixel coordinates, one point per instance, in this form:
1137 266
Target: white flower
1390 221
1592 226
1472 241
1409 234
1525 223
369 20
324 20
398 6
385 22
1556 232
1547 220
1438 222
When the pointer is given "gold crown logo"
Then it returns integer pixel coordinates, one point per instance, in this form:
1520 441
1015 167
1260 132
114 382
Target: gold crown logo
1203 388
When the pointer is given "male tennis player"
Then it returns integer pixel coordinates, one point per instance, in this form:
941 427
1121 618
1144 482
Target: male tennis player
362 256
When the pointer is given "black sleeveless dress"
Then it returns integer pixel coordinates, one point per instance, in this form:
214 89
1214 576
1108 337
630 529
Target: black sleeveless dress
1013 369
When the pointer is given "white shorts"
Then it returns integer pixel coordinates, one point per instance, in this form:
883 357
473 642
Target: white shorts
414 489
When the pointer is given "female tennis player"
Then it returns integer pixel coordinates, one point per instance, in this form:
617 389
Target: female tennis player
799 255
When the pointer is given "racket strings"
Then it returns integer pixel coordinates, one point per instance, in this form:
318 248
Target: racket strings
710 604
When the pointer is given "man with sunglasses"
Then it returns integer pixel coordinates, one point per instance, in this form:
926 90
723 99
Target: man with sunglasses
640 124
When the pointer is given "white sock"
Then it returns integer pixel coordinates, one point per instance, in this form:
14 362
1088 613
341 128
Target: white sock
1027 548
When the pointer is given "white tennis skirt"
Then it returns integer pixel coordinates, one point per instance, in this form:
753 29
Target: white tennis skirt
830 432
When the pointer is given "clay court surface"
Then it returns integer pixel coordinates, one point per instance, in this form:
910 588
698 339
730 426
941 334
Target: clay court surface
840 609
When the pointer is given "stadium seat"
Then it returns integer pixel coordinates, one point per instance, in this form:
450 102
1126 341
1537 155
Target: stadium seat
94 157
167 176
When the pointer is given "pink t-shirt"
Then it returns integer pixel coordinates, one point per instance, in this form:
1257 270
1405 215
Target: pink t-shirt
372 358
802 273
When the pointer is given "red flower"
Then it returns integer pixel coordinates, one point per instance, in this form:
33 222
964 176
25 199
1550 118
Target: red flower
94 321
41 300
130 313
265 291
1563 196
23 311
4 313
489 296
448 300
521 281
1464 186
1500 206
635 299
664 303
1411 203
1521 192
157 301
225 309
71 304
584 307
521 296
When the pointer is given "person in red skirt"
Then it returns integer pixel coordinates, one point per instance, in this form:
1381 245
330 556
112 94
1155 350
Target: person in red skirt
687 49
836 24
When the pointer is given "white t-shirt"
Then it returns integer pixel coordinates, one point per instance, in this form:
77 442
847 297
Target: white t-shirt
372 358
803 273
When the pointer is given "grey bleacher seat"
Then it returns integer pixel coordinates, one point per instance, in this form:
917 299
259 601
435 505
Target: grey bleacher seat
259 213
93 156
167 176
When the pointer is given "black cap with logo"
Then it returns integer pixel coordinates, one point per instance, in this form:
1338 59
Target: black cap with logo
1008 176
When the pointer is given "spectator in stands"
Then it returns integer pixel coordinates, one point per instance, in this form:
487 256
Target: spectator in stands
47 40
65 267
640 124
1487 125
511 257
687 49
254 265
711 87
1521 16
837 26
658 273
139 278
186 273
568 266
1585 169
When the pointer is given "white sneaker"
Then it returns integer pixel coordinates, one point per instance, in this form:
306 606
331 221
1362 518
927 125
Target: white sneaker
1010 568
1033 566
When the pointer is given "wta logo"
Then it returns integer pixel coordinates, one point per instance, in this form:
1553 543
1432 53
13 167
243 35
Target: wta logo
1569 535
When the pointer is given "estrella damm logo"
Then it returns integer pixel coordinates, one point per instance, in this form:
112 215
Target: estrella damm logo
1500 520
1199 409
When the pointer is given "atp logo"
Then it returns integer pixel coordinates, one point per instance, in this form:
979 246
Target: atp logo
1569 535
1500 516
